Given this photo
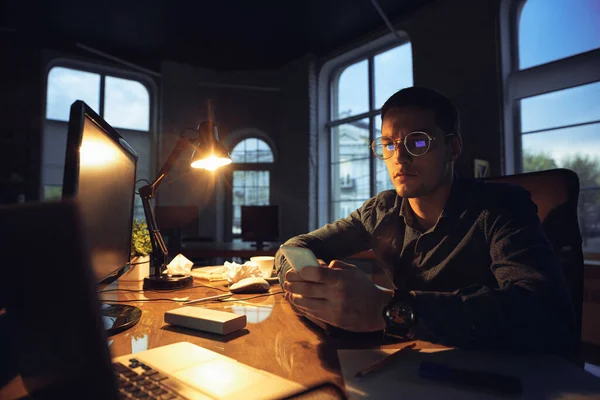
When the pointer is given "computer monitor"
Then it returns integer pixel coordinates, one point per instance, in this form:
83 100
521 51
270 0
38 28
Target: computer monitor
260 224
100 168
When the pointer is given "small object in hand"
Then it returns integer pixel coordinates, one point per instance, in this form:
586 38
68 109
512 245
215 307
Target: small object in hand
384 361
299 257
495 382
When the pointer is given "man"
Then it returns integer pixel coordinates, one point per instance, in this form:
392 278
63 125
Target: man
470 264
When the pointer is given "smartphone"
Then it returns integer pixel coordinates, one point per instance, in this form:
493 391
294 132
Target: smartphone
299 257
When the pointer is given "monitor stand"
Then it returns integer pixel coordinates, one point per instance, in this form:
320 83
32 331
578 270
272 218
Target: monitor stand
118 317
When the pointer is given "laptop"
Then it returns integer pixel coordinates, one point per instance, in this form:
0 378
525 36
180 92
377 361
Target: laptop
57 335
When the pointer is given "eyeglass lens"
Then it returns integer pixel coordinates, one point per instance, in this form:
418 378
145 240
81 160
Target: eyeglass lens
417 143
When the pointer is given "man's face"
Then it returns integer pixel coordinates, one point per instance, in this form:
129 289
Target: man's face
418 176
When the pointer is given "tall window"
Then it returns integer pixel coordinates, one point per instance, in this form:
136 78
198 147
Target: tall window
358 91
252 159
552 71
124 103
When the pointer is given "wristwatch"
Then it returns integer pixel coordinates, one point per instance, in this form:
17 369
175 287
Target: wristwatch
399 314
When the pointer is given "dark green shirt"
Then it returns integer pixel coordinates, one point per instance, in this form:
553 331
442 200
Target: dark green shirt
485 276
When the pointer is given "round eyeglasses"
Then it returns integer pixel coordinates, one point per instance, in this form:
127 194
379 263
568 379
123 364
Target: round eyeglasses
416 144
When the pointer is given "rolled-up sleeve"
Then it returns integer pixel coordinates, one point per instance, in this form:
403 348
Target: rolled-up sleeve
337 240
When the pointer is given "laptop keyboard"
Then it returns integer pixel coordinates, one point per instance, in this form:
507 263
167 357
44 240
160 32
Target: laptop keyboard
139 381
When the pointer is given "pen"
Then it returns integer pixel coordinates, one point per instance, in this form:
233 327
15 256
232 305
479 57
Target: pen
384 361
217 297
505 384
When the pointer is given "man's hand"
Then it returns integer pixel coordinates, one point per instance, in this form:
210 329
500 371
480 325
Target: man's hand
339 294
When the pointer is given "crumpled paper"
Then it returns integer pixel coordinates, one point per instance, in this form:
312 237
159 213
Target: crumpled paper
179 266
236 272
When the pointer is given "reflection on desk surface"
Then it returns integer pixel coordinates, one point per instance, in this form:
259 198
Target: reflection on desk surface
278 341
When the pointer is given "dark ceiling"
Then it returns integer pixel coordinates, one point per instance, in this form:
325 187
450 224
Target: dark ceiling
221 35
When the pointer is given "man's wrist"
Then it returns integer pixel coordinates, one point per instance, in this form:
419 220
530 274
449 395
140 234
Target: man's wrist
400 315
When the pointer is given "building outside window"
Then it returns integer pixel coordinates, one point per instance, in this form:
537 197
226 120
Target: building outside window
358 89
123 101
251 178
552 97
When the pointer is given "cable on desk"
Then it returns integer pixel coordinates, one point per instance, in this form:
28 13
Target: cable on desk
163 291
144 300
182 301
141 262
249 298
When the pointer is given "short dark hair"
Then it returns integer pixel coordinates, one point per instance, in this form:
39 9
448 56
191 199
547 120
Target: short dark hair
446 113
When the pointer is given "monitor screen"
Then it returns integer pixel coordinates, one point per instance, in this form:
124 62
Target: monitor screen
260 223
100 169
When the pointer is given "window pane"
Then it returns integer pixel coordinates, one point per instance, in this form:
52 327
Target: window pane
252 150
249 188
589 219
382 180
563 107
66 85
393 71
553 29
352 95
350 163
126 104
576 148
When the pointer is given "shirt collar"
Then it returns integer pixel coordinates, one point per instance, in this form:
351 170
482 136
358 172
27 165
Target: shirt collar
453 208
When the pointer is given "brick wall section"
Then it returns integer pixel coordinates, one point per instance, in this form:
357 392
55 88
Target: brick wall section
291 181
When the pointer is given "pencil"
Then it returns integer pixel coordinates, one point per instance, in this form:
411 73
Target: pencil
384 361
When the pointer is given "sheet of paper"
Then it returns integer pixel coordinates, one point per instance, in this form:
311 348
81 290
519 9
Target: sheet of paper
211 273
544 377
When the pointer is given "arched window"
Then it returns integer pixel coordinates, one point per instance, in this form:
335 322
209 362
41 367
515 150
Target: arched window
251 177
359 82
122 98
551 67
551 30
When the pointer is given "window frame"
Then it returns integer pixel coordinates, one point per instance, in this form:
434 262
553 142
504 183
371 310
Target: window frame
227 191
328 78
577 70
565 73
103 70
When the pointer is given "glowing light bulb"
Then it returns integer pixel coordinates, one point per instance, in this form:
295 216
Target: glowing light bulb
211 163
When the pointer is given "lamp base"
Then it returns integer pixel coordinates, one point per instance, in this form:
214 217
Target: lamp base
166 282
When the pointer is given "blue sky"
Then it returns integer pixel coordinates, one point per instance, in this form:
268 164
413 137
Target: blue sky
548 30
127 102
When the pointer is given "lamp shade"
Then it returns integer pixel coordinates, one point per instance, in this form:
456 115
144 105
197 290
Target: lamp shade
210 157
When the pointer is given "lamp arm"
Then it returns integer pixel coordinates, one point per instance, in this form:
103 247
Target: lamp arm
182 144
159 254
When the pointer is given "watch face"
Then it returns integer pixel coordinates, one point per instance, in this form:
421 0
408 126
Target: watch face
399 318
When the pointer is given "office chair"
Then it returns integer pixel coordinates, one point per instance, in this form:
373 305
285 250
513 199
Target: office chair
556 194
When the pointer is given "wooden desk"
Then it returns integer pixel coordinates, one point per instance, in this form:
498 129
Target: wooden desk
275 339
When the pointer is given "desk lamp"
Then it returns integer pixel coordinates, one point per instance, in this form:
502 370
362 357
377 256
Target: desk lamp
208 154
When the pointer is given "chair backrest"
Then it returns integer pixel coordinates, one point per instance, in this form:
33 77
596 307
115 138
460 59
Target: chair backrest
556 194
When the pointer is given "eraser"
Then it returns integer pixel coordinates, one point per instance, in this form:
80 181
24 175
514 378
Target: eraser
207 320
